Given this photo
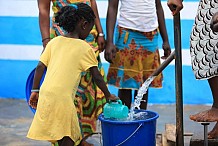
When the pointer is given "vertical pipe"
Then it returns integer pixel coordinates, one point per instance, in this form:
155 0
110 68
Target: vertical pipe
178 74
205 136
205 124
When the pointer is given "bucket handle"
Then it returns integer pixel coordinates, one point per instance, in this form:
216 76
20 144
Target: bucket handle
130 135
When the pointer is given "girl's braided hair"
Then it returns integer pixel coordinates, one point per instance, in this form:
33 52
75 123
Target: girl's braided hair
69 16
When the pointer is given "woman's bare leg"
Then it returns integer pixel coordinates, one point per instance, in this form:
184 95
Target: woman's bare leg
214 132
210 115
66 141
125 96
85 143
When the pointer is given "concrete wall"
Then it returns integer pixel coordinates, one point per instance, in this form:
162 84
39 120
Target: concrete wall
20 47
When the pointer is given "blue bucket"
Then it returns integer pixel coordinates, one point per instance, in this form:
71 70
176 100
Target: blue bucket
29 84
129 133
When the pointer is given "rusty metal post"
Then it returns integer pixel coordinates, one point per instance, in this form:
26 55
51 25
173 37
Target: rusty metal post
164 64
178 74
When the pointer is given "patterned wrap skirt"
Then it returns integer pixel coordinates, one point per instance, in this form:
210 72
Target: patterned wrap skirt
136 59
203 42
89 98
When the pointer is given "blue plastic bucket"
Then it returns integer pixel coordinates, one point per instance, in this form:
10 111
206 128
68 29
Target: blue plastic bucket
29 84
129 133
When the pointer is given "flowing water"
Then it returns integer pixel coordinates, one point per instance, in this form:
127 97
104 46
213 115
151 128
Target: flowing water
138 99
135 113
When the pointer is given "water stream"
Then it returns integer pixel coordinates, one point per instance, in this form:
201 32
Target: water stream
138 99
134 113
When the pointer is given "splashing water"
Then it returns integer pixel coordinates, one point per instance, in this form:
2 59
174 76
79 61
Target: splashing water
138 99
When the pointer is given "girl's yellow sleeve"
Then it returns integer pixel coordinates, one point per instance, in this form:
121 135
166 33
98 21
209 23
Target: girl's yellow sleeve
88 60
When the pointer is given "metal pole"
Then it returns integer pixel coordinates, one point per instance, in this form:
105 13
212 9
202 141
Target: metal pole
205 124
178 72
164 64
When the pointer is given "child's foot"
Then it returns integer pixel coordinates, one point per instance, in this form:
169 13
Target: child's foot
85 143
206 116
214 132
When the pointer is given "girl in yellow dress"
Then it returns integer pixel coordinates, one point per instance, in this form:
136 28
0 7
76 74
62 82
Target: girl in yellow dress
65 57
89 98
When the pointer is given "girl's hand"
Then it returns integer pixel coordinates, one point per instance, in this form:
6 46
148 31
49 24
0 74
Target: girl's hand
167 50
113 97
34 99
101 43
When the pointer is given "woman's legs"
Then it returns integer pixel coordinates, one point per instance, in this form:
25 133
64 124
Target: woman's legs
213 82
66 141
85 143
210 115
144 101
125 96
214 132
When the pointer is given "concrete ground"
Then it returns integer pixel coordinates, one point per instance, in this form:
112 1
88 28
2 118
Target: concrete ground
15 119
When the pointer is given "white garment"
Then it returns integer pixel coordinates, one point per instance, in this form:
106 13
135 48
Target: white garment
138 15
203 42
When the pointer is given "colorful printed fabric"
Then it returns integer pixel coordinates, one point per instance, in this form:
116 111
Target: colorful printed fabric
90 102
89 98
203 42
56 30
136 59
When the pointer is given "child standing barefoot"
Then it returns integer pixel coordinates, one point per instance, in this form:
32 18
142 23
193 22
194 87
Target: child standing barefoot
65 57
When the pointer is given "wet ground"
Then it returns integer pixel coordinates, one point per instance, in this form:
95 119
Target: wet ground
15 119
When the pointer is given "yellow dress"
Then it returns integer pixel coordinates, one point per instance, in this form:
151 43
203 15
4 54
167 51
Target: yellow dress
89 98
56 114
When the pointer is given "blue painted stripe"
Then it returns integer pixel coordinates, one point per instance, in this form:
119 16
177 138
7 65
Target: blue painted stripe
20 30
14 75
186 27
25 31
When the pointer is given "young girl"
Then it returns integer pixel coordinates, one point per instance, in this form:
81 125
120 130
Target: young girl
89 98
135 55
65 57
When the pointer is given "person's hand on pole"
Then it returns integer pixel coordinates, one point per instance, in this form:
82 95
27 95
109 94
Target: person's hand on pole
175 6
